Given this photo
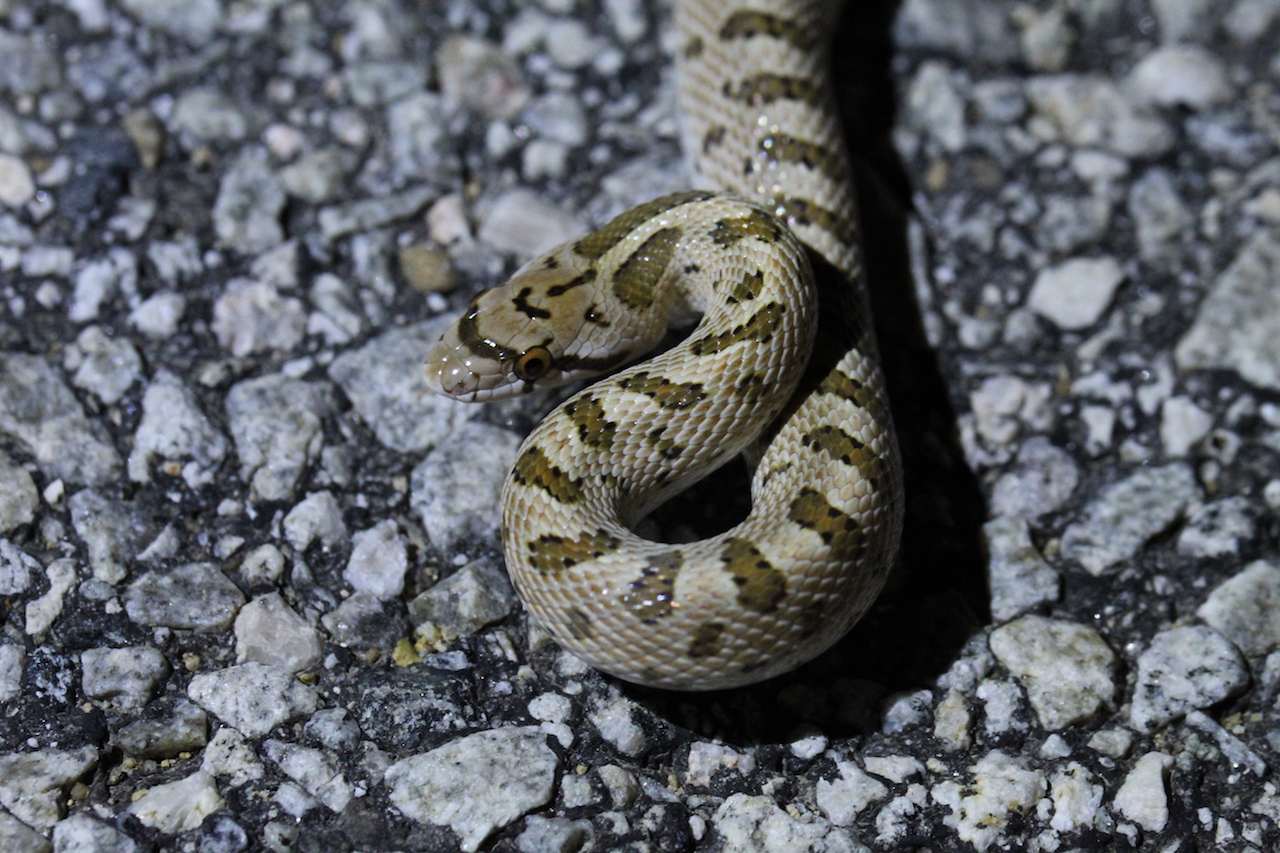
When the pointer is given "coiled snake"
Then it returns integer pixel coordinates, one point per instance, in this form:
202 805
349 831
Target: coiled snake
772 262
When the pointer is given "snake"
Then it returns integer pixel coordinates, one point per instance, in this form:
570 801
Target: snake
782 367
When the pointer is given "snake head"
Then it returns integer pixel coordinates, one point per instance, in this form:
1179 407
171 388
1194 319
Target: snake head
542 329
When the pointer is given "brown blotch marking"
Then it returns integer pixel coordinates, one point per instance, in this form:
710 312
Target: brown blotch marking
666 446
650 595
713 137
595 364
561 289
748 24
761 327
812 618
838 529
580 625
752 386
533 312
764 89
594 429
664 392
760 585
469 336
595 244
844 386
748 288
803 212
705 640
533 468
783 148
693 48
637 277
762 227
550 553
836 443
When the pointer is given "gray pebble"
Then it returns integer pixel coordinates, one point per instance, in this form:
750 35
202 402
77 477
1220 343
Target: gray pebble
193 597
195 21
965 28
1093 111
1219 528
471 463
477 595
384 381
1043 481
477 783
1234 328
105 366
1184 669
175 430
1019 578
1066 668
1158 212
1127 514
1074 294
252 698
317 771
17 568
361 621
252 316
269 631
316 518
31 64
113 531
18 496
207 115
39 410
125 678
340 220
12 657
478 75
246 214
756 824
520 223
31 783
379 560
276 423
173 728
1246 608
1182 75
83 833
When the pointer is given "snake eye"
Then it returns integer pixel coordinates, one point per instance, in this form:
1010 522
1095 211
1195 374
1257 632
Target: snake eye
533 364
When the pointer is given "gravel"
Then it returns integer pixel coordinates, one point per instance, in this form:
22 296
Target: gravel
254 595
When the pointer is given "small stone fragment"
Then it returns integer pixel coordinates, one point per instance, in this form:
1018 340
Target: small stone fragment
126 678
379 560
315 770
473 463
1245 608
842 799
1143 798
179 806
246 214
18 496
252 697
1019 578
1181 75
1074 294
476 784
269 631
166 731
251 316
1066 668
277 425
1127 514
1219 528
477 595
428 268
1184 669
1002 787
194 597
173 429
520 223
33 784
477 74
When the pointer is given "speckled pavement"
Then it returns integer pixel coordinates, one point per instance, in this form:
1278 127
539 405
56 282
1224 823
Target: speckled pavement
252 592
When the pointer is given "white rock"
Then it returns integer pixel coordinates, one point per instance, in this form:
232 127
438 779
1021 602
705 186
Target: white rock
457 488
1142 798
1235 325
1184 669
1019 577
42 611
268 631
707 760
1091 111
1073 295
17 568
12 657
179 806
1002 786
17 187
251 316
520 223
126 678
1181 75
476 784
173 429
842 799
1246 608
1066 668
1077 801
379 560
229 755
315 770
18 499
252 697
316 518
755 824
1182 425
1219 528
32 783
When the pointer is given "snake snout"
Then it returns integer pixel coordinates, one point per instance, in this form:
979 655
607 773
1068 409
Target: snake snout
446 374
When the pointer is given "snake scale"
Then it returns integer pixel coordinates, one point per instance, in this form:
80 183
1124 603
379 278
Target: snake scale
770 258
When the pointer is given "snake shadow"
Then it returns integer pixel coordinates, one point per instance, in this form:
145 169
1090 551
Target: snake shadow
937 596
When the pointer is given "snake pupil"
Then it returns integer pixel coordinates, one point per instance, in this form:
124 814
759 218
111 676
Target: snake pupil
533 364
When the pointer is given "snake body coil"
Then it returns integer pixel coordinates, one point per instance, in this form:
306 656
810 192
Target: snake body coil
772 263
